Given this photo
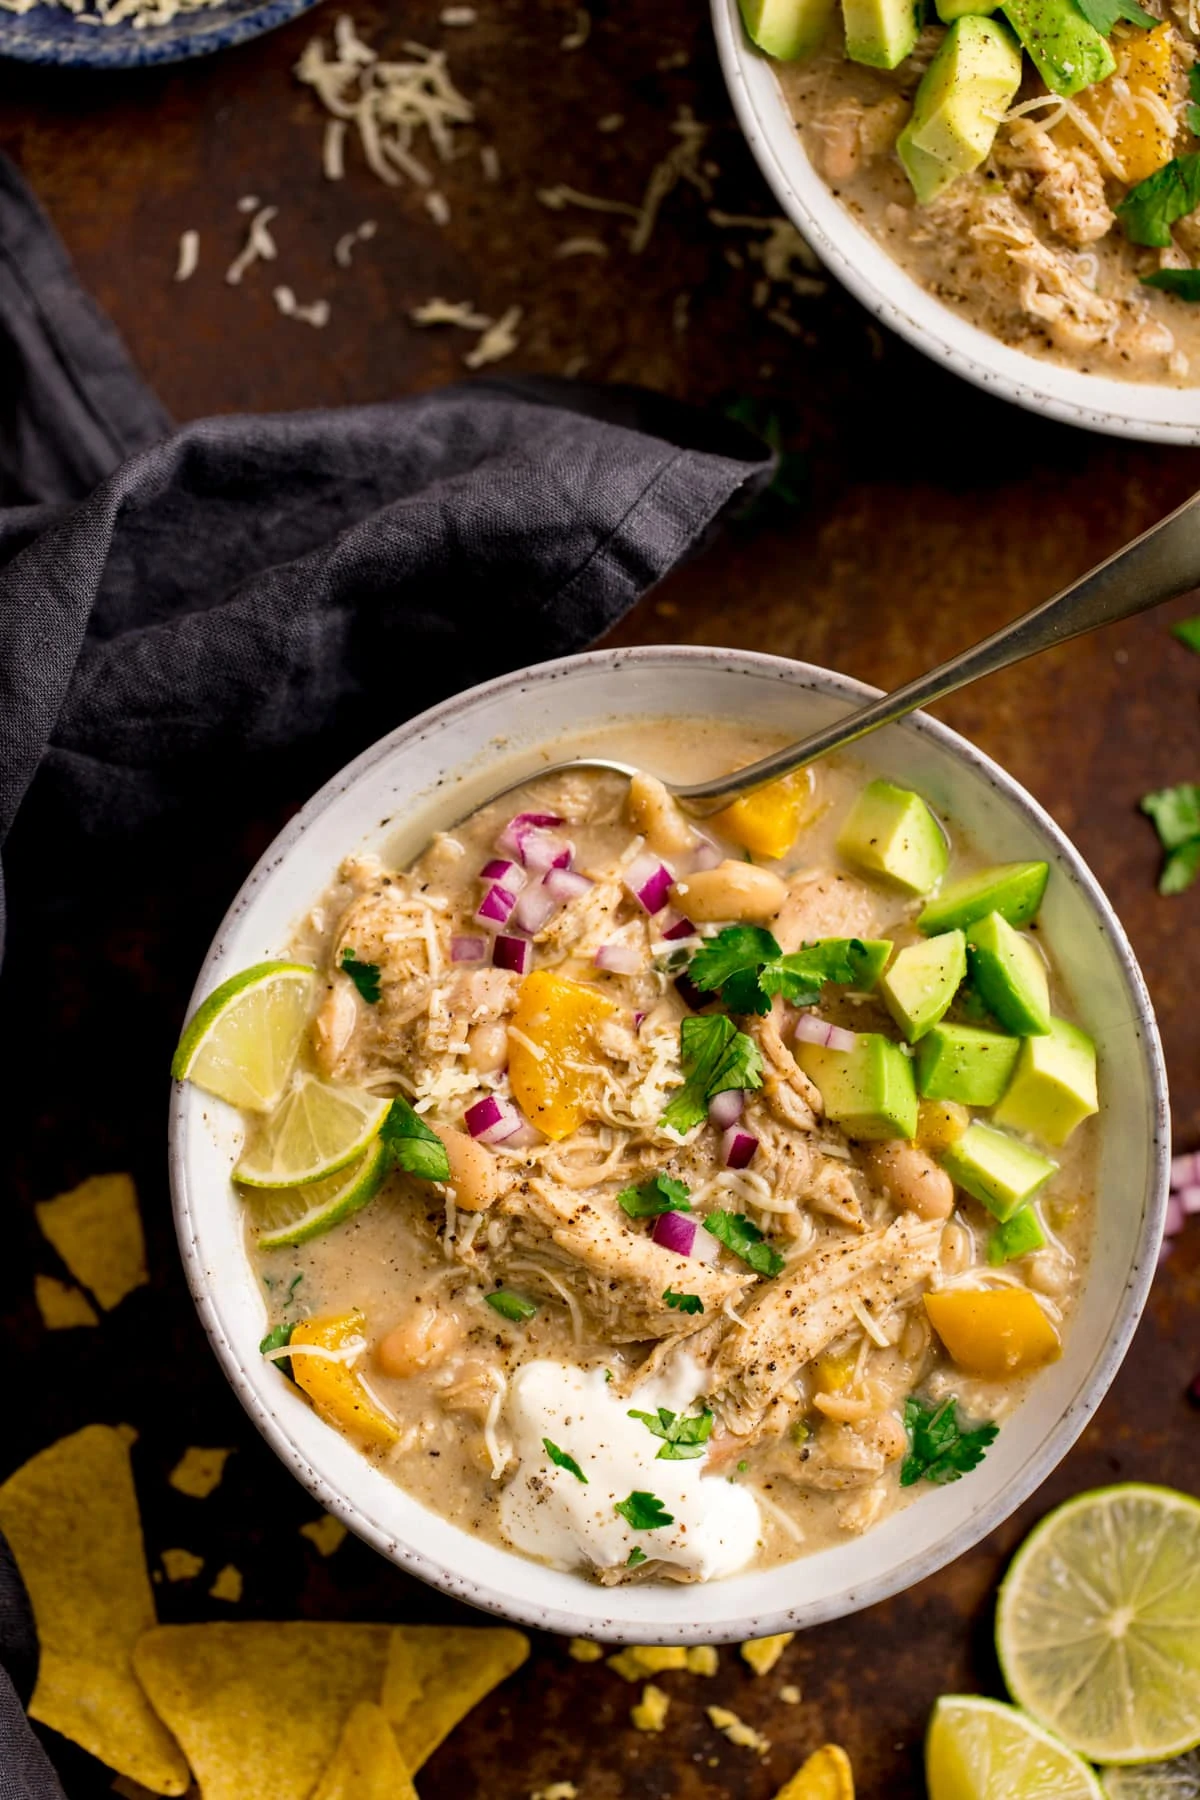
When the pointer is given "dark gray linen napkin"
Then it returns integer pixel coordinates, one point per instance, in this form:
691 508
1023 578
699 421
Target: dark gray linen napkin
185 614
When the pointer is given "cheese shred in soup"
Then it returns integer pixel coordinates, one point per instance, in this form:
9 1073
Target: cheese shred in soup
687 1303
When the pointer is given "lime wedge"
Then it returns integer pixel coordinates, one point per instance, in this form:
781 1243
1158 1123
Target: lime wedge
983 1750
1175 1780
1098 1623
315 1131
292 1215
241 1043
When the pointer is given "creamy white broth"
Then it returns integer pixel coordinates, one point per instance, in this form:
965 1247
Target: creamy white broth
414 1261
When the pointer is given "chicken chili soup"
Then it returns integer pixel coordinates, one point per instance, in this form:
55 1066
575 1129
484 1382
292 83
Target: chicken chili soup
660 1199
1034 164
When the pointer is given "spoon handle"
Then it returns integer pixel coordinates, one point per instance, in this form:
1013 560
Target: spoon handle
1159 565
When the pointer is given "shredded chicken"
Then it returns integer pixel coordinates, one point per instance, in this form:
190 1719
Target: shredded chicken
1066 186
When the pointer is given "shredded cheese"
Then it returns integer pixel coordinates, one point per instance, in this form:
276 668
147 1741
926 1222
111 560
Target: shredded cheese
316 313
578 37
259 245
581 246
438 207
498 341
189 255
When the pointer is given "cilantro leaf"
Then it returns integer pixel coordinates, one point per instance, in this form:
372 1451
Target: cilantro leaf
684 1303
801 976
413 1145
364 975
276 1338
1188 630
716 1056
1192 113
940 1449
511 1306
729 964
1176 815
684 1437
562 1461
1179 870
661 1194
1150 209
742 1236
1183 282
643 1512
635 1558
1103 14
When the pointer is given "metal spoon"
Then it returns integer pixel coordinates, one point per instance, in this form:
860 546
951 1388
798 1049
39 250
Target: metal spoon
1161 564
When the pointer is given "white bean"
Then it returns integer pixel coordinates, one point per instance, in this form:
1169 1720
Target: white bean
653 812
474 1174
487 1046
912 1179
417 1343
733 890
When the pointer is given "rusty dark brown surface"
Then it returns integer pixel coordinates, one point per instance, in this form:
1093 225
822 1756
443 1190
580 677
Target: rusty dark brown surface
929 514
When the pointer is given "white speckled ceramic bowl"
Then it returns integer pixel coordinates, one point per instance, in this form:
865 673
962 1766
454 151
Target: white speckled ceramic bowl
436 768
1123 408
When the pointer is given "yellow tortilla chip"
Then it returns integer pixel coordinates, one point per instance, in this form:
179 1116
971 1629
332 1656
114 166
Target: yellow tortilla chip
826 1775
61 1305
199 1471
97 1230
763 1653
181 1565
436 1674
258 1707
228 1585
367 1764
71 1516
327 1533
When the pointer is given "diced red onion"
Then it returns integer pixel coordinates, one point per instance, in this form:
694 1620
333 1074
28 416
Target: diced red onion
707 1248
637 1022
1173 1223
649 881
811 1030
542 851
492 1120
679 928
510 875
468 949
618 959
524 1137
495 909
705 856
1189 1199
1185 1170
512 838
725 1109
566 884
675 1231
534 910
738 1147
512 953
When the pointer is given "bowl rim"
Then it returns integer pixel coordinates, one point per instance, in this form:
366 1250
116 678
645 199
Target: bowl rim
1131 409
245 1378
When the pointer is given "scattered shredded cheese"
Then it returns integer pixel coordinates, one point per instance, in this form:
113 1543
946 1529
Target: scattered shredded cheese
578 37
259 245
343 250
581 246
458 15
438 207
498 341
316 313
489 162
249 203
333 150
189 255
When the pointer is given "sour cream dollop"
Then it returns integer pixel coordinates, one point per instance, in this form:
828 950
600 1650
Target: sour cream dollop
547 1512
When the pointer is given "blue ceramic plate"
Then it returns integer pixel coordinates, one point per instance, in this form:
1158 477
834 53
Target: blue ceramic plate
50 34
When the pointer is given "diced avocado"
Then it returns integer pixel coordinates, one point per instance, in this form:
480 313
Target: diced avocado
1053 1088
870 959
1014 890
868 1091
923 980
787 29
1067 52
949 10
967 87
927 176
963 1063
890 831
1009 976
996 1169
880 32
1019 1236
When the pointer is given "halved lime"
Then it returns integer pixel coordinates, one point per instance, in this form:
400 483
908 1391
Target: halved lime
292 1215
1178 1779
316 1130
1098 1623
242 1042
978 1749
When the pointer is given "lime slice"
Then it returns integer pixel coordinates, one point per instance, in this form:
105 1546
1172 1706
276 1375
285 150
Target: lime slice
1098 1623
241 1043
315 1131
292 1215
983 1750
1176 1780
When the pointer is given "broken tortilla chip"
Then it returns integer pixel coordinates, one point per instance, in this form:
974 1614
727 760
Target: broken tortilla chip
367 1764
199 1471
97 1230
228 1585
258 1707
326 1533
181 1565
826 1775
61 1305
71 1517
436 1674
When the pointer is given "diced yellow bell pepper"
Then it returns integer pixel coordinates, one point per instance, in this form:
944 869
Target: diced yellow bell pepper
1142 138
766 823
993 1332
940 1123
333 1387
554 1032
833 1373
